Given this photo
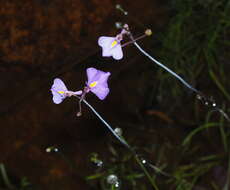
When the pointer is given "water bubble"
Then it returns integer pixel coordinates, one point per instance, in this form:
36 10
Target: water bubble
99 163
118 131
117 184
198 97
118 6
95 160
143 161
119 25
212 101
148 32
51 149
112 180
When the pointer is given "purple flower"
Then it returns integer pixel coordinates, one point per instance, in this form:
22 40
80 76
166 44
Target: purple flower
97 82
111 46
60 91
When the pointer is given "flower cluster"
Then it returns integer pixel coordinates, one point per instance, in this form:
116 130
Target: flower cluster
97 83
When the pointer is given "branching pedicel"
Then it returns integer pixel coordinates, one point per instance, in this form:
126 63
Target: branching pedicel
112 47
97 83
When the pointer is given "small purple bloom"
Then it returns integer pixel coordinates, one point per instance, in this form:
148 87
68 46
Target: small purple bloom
60 91
97 82
111 46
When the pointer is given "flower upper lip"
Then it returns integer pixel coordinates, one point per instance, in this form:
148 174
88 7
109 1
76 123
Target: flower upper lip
111 47
101 89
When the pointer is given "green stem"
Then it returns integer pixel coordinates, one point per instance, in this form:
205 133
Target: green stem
151 180
219 85
113 187
5 177
226 186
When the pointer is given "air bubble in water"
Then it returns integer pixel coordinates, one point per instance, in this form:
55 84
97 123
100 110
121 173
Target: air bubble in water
94 159
119 7
198 97
117 184
118 25
112 180
118 131
51 149
143 161
99 163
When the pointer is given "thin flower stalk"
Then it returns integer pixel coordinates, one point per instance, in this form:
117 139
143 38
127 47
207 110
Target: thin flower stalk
108 126
200 96
166 68
151 180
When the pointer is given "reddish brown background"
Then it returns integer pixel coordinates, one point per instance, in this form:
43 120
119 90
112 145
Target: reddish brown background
44 39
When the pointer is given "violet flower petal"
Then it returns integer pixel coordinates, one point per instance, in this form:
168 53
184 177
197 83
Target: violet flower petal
110 47
59 85
58 90
57 99
105 41
100 92
91 73
97 82
98 76
117 52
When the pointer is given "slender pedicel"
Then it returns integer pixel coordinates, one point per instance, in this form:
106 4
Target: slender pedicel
166 68
148 32
108 126
130 17
223 113
152 180
204 99
132 41
118 7
60 91
79 113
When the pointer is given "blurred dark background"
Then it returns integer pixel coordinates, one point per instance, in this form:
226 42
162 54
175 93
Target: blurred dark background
44 39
